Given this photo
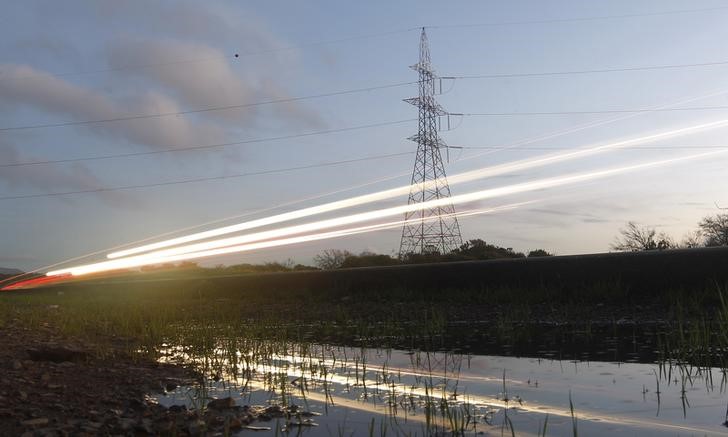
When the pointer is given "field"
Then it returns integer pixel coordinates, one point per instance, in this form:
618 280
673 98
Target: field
254 338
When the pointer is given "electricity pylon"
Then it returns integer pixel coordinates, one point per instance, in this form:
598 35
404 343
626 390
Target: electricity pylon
436 229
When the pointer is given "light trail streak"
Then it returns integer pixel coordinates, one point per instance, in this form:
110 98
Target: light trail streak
187 251
34 282
143 260
403 190
197 226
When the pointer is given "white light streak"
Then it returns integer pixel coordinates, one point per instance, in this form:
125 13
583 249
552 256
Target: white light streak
139 261
173 253
399 191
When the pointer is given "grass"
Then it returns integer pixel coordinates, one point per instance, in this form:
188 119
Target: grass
224 331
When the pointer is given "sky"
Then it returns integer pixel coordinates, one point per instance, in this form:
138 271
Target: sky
63 64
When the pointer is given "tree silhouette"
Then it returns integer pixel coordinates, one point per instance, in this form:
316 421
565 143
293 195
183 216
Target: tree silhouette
715 230
636 238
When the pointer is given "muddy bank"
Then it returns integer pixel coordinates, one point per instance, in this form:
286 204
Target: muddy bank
51 385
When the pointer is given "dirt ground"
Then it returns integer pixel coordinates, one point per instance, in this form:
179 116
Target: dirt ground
59 386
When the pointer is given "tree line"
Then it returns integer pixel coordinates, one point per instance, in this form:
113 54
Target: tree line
712 231
475 249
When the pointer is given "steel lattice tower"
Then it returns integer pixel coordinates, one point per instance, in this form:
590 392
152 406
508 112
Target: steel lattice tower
431 229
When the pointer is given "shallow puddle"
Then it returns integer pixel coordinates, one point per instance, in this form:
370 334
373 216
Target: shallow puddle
387 392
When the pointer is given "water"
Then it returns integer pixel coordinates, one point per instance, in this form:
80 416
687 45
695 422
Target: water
360 391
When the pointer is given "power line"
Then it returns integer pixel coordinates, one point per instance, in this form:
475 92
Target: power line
206 179
230 57
546 148
576 19
595 71
209 146
376 35
208 109
374 88
258 140
605 111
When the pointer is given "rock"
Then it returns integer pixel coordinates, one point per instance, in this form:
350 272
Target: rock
177 408
136 404
196 428
221 404
309 413
145 426
41 421
126 424
235 423
274 411
56 354
170 386
307 422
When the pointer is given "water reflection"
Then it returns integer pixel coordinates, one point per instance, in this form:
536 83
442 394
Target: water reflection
391 392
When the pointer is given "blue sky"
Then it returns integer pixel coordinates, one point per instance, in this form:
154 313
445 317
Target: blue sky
87 60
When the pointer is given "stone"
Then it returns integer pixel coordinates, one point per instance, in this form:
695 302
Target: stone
40 421
196 428
221 404
235 423
126 424
274 411
177 408
258 428
56 354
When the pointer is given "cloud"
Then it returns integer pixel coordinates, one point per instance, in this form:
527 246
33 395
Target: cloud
596 220
26 86
208 82
50 179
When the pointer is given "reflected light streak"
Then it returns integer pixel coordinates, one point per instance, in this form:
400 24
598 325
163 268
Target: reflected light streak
151 258
403 190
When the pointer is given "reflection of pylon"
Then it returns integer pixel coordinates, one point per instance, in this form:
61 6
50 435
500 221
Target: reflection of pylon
422 235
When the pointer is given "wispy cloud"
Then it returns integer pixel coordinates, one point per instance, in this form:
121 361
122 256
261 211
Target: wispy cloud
52 179
210 82
24 86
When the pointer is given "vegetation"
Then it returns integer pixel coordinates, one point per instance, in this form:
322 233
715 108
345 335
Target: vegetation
223 330
712 231
475 249
635 238
715 230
